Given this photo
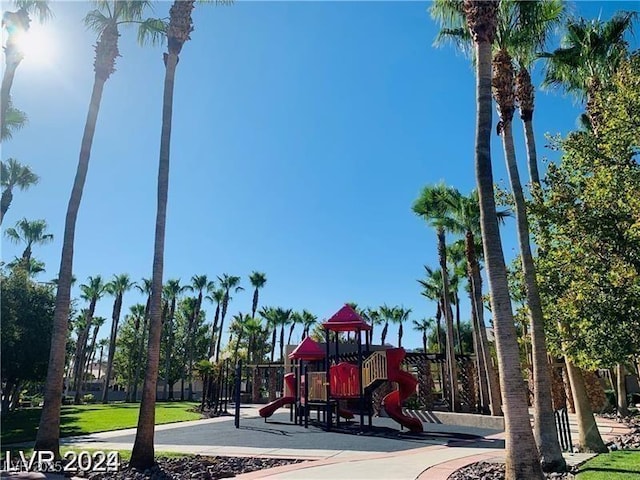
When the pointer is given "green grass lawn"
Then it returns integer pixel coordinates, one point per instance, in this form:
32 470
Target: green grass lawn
620 465
21 426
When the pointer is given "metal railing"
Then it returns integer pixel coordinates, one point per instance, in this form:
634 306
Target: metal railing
564 431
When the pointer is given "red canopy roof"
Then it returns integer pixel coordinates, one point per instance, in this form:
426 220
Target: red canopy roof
346 320
307 350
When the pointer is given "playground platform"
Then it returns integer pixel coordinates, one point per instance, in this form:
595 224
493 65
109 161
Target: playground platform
386 453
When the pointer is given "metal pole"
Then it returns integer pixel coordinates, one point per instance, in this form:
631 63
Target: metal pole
306 396
328 382
360 389
237 392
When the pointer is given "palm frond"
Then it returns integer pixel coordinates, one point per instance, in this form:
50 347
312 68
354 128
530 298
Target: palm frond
152 31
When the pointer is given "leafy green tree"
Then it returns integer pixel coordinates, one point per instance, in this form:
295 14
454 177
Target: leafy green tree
591 240
105 22
25 337
14 174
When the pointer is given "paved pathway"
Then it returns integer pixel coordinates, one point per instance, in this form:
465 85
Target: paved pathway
388 455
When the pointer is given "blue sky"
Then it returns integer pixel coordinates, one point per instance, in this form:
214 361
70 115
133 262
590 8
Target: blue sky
302 133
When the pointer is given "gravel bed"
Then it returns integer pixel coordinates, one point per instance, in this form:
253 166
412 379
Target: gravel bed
195 467
495 471
630 441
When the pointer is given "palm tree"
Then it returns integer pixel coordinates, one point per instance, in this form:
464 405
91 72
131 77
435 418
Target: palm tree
423 326
295 318
253 328
199 283
542 18
96 322
29 232
387 315
106 26
239 325
228 283
283 318
258 280
401 315
467 215
14 174
481 17
269 314
308 320
33 268
434 205
139 315
17 24
14 120
590 54
92 291
216 296
172 290
116 287
143 287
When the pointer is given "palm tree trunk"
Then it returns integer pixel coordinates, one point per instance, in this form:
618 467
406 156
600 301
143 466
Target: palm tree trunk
142 455
521 451
117 306
48 436
589 435
167 361
457 300
212 345
544 427
477 346
532 156
273 342
13 59
225 304
5 202
282 343
452 367
140 350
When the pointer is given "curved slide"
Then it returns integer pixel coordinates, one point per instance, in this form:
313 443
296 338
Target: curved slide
269 408
392 403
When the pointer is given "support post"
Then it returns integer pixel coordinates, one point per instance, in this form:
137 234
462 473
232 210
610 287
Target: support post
361 388
238 383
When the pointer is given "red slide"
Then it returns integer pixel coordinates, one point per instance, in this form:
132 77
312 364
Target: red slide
392 403
269 408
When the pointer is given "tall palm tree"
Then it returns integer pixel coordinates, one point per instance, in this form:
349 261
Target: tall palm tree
96 323
139 314
295 319
480 17
401 315
239 325
271 317
105 22
540 20
387 315
33 268
434 205
252 328
258 280
92 291
199 283
14 174
308 320
29 232
116 287
283 318
172 290
215 296
591 53
144 287
228 283
423 326
17 24
467 215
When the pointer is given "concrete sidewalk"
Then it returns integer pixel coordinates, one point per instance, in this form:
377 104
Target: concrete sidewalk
433 461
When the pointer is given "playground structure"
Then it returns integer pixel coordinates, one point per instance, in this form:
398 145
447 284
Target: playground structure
334 388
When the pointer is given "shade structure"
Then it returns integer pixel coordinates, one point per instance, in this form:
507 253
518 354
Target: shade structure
308 350
346 320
